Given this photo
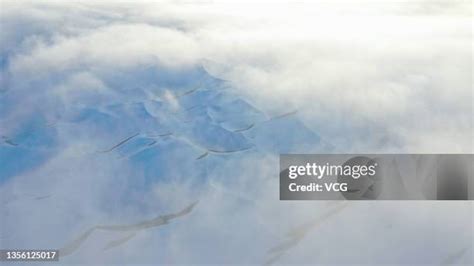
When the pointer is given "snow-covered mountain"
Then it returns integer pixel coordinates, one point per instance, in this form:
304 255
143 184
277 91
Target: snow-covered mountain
184 120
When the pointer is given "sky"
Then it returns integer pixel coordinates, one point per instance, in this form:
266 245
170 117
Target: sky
118 112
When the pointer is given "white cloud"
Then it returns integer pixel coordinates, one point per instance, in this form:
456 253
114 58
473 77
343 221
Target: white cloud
379 74
367 76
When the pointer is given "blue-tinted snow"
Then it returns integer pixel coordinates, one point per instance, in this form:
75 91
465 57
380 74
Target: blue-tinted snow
210 117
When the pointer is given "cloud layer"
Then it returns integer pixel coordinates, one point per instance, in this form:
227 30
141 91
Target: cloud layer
117 113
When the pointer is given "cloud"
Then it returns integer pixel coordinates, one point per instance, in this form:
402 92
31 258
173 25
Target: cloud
78 78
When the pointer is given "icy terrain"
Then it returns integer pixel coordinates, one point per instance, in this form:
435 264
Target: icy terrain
193 130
